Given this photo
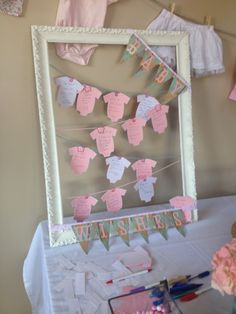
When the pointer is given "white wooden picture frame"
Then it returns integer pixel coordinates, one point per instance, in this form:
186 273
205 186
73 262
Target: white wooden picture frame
44 35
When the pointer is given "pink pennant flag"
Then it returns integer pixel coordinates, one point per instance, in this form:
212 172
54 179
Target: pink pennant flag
134 128
113 199
86 99
143 168
82 207
158 117
81 158
104 140
115 105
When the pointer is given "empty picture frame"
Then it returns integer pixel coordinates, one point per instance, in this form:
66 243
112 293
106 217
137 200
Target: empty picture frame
42 36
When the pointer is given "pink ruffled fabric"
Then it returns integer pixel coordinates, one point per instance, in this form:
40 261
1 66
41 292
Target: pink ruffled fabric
224 269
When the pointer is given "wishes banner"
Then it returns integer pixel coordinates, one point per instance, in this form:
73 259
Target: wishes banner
82 233
159 221
104 233
148 63
121 226
141 226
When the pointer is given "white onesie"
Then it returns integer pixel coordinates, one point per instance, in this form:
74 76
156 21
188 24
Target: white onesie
205 45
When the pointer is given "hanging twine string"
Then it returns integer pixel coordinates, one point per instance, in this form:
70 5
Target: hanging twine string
126 184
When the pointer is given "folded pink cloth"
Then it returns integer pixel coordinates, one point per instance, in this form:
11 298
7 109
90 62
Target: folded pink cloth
80 13
11 7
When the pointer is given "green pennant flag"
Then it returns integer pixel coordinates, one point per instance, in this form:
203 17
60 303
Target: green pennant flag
160 224
176 87
163 74
168 218
104 233
135 46
82 233
141 226
149 61
122 228
179 220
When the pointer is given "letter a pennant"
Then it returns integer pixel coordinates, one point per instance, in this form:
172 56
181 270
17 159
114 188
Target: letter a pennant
179 220
149 61
141 226
160 224
82 233
104 233
122 228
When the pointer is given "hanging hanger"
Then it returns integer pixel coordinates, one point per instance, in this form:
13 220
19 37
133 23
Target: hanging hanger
172 8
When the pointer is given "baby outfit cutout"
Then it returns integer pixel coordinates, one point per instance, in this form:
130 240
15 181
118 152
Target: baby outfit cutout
145 188
134 128
82 207
232 95
146 103
116 167
67 90
104 140
80 13
206 52
115 105
158 117
113 199
86 99
80 158
143 168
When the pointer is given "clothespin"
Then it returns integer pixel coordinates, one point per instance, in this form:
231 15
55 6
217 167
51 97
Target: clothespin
172 8
208 20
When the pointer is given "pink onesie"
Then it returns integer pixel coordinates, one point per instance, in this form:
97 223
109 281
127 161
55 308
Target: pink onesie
134 128
113 199
86 99
158 116
80 158
143 168
82 207
115 105
83 13
104 140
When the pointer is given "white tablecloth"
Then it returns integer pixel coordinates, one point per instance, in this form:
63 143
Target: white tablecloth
177 256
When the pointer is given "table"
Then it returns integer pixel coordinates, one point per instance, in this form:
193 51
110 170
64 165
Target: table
47 271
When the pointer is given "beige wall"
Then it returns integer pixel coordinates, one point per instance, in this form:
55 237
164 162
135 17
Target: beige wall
22 184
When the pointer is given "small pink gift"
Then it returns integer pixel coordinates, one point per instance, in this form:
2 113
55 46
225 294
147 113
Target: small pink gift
11 7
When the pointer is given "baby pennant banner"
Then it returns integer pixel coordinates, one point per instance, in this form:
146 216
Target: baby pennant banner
148 63
163 74
104 233
141 226
122 228
179 220
82 233
160 224
176 87
135 46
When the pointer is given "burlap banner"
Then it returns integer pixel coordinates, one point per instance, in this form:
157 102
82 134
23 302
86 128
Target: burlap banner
150 60
124 226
